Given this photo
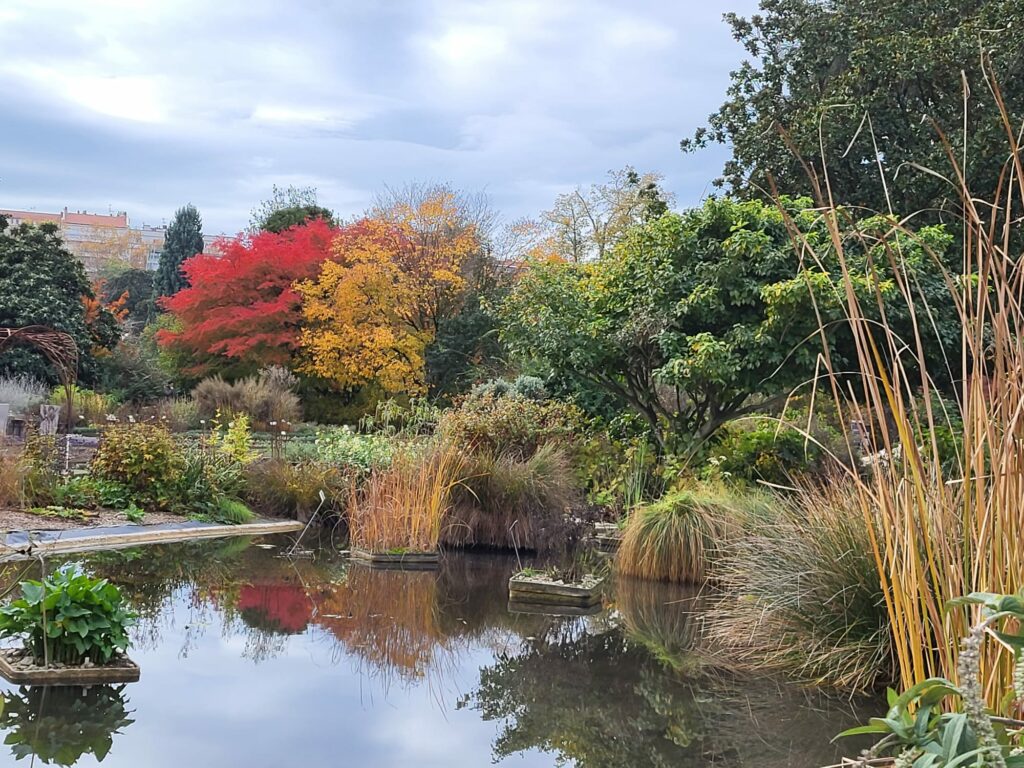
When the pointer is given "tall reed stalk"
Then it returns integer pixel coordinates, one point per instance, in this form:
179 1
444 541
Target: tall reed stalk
403 507
937 537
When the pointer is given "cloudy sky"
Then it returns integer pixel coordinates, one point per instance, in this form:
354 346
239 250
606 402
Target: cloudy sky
143 106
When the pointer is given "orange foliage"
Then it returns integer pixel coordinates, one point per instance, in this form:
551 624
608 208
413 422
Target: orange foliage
376 304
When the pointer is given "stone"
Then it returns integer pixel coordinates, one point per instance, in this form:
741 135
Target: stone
49 419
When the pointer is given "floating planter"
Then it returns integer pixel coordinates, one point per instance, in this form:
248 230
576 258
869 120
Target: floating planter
19 666
73 631
552 609
398 559
548 589
608 536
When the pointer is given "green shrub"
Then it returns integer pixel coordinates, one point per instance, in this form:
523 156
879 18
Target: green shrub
511 424
74 616
758 449
286 489
801 593
509 502
92 492
679 537
345 448
144 459
131 373
527 387
40 464
207 477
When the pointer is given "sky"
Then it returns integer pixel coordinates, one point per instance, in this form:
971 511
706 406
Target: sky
143 106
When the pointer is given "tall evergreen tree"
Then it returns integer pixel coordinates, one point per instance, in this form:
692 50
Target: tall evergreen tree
184 240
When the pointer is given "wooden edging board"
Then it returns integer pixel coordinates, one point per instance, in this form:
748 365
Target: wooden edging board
167 535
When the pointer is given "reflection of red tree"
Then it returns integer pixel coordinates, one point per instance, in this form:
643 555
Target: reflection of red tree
282 607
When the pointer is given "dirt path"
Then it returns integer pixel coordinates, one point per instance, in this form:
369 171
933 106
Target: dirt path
19 520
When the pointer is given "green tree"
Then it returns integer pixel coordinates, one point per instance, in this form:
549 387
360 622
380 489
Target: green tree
873 75
286 218
42 283
137 286
696 319
288 207
183 241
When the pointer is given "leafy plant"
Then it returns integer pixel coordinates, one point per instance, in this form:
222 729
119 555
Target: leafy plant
763 450
144 459
923 727
346 448
511 424
68 618
133 514
92 492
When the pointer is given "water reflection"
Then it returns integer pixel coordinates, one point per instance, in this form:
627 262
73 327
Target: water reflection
263 660
60 725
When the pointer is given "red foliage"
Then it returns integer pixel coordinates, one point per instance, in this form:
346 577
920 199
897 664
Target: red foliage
240 307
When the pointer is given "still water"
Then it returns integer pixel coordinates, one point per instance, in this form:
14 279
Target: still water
250 659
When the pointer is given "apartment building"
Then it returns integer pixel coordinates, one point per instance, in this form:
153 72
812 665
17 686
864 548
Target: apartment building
105 241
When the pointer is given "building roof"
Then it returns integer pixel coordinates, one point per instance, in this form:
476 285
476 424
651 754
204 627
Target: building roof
35 217
96 219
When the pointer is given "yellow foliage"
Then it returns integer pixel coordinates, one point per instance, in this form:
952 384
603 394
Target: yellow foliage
375 306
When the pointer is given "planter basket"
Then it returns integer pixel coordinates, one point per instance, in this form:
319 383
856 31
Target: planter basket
122 670
540 591
399 560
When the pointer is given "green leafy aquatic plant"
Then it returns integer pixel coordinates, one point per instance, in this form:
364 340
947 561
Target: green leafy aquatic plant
939 724
68 617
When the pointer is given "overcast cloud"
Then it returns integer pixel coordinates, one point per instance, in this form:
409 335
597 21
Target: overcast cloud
143 106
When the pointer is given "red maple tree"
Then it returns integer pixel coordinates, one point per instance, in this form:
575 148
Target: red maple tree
240 310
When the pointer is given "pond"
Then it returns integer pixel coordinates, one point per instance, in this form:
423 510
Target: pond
254 660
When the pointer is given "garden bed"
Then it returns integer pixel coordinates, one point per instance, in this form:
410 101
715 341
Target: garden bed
20 520
544 589
17 666
405 560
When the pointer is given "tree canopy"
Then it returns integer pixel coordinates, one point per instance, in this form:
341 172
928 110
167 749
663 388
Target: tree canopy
42 283
877 78
183 240
393 280
697 318
240 311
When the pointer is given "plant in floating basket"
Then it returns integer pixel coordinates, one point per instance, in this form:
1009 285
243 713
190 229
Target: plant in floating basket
576 585
68 618
399 512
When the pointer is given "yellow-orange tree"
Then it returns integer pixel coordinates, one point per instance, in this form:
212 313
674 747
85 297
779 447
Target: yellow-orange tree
376 304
